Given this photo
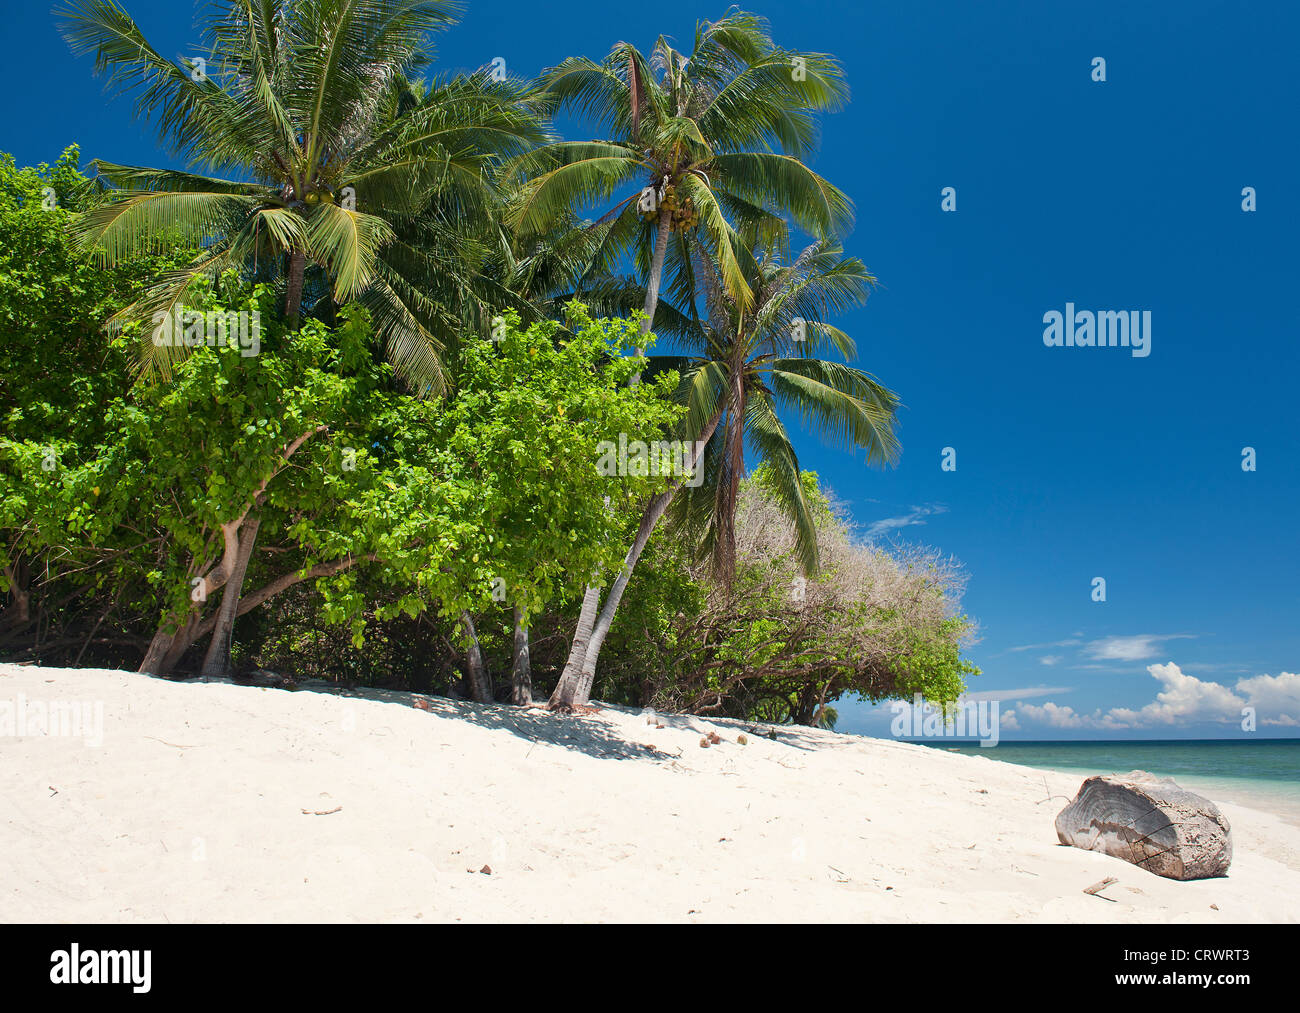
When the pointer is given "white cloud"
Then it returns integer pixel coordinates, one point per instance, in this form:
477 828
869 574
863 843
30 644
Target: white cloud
917 515
1276 698
1043 647
1135 648
1184 700
1017 694
1050 659
1054 715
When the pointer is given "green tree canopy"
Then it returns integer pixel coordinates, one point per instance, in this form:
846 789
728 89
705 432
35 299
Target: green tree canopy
305 148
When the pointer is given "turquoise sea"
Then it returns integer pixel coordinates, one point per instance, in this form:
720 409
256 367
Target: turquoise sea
1260 773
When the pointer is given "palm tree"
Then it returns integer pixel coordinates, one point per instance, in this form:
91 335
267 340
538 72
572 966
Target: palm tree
322 158
748 364
721 132
316 159
706 142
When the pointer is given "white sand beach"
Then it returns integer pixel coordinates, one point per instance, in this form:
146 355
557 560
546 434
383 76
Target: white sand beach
217 803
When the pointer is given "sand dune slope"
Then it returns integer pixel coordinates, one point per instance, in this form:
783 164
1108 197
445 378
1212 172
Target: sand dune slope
192 808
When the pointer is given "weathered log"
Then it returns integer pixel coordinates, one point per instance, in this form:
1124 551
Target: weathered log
1150 822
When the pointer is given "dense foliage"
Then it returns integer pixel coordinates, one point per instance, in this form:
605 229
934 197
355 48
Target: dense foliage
345 411
308 448
776 645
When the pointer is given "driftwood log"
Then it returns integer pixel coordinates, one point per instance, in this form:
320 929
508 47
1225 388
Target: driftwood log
1150 822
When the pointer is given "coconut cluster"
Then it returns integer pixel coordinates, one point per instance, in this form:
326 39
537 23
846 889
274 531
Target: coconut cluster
684 215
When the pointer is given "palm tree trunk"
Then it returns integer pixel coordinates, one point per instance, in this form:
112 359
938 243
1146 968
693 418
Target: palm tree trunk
293 288
521 671
649 519
662 233
587 673
216 663
480 679
566 691
724 553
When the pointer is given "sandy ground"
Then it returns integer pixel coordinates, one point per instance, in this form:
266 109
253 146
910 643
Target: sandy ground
192 809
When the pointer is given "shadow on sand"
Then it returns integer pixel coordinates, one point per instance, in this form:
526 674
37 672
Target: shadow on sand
592 734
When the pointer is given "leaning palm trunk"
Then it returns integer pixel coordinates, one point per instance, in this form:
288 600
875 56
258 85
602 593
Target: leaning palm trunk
480 680
649 519
587 674
566 689
662 232
521 672
216 663
724 555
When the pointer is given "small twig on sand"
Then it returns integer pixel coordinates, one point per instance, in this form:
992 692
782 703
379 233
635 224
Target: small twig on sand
1096 888
166 743
321 812
1050 796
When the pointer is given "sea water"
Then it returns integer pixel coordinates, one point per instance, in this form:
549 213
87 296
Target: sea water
1259 773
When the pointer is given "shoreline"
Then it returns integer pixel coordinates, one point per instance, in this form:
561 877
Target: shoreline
217 802
1253 793
1223 791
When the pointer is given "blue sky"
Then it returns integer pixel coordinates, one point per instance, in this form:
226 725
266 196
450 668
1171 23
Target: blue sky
1072 463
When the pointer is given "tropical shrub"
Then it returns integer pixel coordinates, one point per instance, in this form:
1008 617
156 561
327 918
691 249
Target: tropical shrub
775 645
